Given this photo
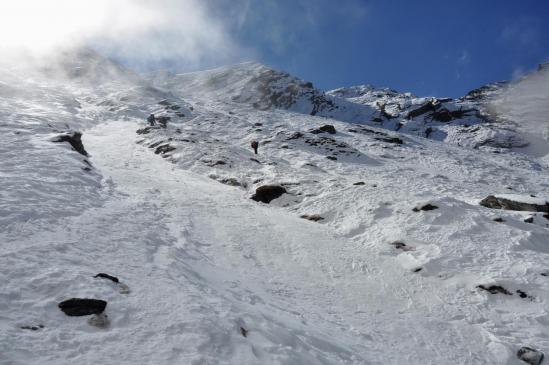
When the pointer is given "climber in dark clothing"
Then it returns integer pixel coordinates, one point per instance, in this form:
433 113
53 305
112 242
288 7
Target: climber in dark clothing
255 145
151 120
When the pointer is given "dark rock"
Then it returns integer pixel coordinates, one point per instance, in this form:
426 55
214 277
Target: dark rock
333 158
32 328
529 220
295 135
401 246
267 193
523 294
312 217
107 276
145 130
507 204
495 289
82 307
423 109
359 183
545 273
499 220
325 129
243 332
164 149
426 207
418 269
75 140
163 121
394 140
530 356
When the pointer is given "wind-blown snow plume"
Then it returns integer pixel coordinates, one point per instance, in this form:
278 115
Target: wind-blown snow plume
144 31
526 102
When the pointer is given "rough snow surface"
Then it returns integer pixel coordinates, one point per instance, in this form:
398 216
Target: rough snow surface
211 277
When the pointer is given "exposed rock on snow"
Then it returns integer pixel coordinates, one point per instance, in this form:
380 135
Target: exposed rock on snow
312 217
107 276
82 307
425 207
325 129
495 289
515 202
75 140
530 355
268 193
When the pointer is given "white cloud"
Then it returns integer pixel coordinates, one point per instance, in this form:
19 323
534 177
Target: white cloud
180 31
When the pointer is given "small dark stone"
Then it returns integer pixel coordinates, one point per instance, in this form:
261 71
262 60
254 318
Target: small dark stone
530 356
529 220
495 289
82 307
107 276
74 139
359 183
522 294
164 149
401 246
312 217
243 332
544 274
333 158
418 269
325 129
426 207
32 328
499 220
267 193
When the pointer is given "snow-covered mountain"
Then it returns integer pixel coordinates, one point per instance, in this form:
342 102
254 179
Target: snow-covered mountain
368 239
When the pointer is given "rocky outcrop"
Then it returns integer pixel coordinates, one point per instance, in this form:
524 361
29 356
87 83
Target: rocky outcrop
530 356
507 203
82 307
74 139
268 193
325 129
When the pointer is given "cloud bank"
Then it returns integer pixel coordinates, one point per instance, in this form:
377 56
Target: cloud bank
141 31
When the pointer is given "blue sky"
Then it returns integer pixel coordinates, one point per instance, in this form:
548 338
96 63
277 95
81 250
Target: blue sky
428 47
442 48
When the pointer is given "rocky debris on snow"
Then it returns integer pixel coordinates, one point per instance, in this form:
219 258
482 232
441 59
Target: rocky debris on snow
378 136
100 320
146 130
401 246
312 217
267 193
524 295
244 332
163 121
333 158
107 276
359 183
425 207
515 202
82 307
417 269
32 328
324 129
529 220
499 220
231 181
163 149
495 289
530 355
430 106
74 139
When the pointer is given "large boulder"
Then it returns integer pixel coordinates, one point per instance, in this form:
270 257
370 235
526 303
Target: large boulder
515 202
75 140
530 356
82 307
267 193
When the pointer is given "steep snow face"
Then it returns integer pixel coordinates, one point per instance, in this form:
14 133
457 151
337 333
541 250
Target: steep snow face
395 263
264 89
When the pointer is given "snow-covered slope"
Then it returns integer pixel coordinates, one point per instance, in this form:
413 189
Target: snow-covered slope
388 269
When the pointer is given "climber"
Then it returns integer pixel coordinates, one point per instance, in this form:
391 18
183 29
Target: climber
255 145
